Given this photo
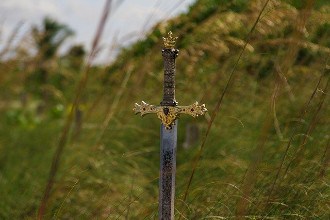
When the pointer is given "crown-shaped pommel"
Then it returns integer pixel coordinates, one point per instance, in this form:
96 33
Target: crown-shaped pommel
169 41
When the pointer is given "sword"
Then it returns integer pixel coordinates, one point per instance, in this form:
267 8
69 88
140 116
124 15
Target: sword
168 112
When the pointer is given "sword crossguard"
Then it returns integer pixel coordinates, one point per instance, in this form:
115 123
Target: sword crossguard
168 114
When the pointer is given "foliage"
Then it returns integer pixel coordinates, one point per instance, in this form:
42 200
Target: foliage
50 37
267 154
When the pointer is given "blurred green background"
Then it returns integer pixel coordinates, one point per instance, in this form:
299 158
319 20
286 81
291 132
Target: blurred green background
267 154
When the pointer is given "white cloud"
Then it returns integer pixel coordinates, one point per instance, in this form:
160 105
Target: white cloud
83 15
28 9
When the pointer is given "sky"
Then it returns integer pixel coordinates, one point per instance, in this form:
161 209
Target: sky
128 19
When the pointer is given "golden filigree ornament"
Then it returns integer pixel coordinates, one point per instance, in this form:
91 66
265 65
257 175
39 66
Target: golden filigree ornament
168 114
169 41
194 110
145 108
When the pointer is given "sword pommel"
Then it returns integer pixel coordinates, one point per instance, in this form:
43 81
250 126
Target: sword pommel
169 41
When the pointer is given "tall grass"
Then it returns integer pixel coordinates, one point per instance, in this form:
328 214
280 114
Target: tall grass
217 108
75 103
265 149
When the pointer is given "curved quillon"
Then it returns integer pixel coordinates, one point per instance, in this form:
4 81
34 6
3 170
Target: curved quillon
168 114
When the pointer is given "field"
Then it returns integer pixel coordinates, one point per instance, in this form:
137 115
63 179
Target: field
261 152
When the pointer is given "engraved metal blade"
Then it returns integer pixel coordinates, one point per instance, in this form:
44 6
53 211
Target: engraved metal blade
167 171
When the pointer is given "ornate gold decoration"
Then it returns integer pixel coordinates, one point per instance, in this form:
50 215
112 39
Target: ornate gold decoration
194 110
169 41
168 114
169 118
145 108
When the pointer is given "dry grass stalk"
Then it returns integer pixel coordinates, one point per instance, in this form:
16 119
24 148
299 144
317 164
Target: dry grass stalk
11 39
65 132
218 105
293 134
252 172
301 148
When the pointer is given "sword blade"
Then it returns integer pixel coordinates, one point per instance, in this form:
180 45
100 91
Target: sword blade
167 172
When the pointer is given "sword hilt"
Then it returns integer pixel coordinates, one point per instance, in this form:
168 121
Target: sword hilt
168 112
169 56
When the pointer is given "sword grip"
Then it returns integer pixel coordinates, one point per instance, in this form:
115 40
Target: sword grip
169 56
